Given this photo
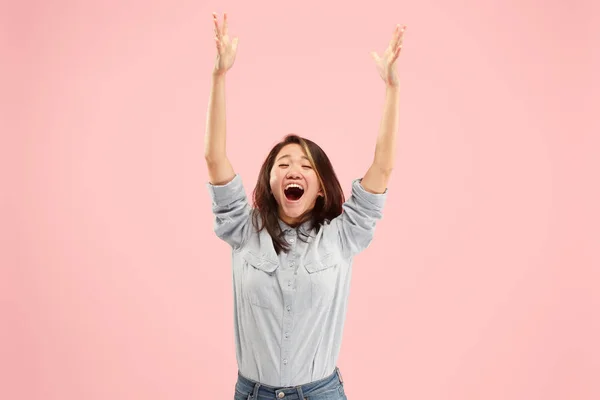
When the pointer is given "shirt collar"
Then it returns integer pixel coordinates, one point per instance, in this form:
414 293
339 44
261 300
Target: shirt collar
305 226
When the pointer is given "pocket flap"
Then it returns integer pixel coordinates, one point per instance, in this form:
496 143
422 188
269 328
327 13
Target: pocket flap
260 262
321 263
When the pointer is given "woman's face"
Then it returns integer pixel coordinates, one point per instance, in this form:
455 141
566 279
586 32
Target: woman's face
294 183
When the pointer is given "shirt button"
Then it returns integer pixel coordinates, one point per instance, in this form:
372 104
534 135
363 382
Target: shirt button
287 334
281 395
288 308
285 361
292 263
291 240
289 283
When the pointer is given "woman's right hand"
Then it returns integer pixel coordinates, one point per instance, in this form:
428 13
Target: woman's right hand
226 48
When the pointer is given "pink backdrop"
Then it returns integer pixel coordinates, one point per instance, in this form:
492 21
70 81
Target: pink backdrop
482 282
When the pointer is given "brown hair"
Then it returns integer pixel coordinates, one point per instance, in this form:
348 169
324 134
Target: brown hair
326 208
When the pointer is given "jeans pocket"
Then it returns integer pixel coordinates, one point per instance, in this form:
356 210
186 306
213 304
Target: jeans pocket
241 396
329 394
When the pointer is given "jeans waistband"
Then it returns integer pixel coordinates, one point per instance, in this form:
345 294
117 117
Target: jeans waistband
261 391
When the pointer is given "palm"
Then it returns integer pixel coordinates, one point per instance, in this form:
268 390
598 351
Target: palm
386 64
226 48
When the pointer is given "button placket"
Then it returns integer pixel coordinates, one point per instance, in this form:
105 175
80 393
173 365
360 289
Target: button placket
291 237
290 298
286 373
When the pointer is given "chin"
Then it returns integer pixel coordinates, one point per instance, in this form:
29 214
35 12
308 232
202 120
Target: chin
293 212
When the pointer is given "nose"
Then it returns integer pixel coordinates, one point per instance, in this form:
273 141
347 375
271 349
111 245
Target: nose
292 173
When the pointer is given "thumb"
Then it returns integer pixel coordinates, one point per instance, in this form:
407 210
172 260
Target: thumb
234 43
375 56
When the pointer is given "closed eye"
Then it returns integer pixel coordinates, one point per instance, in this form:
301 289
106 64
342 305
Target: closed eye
287 165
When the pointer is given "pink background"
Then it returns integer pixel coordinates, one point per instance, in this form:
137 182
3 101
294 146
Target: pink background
482 282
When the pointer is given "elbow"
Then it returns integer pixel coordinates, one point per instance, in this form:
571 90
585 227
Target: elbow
383 161
385 169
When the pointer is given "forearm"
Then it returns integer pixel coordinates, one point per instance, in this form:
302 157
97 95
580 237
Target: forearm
214 139
385 149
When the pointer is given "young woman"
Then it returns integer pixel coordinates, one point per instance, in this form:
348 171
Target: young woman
292 251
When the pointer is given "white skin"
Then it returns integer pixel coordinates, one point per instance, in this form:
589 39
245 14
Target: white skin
386 63
226 47
292 166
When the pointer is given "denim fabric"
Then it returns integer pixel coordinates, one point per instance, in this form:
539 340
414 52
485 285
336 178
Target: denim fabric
289 309
328 388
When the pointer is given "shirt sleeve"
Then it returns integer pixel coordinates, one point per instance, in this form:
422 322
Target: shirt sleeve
231 210
361 212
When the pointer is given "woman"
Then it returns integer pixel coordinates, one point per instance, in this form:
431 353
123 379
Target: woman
292 252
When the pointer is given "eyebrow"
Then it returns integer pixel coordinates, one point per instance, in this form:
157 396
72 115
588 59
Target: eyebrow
288 156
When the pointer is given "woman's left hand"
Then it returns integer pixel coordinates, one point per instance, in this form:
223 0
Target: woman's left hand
386 64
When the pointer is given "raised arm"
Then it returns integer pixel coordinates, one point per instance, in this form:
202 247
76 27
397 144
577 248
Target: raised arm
229 203
220 170
377 177
355 227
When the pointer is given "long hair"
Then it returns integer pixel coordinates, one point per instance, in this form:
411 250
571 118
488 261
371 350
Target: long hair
327 207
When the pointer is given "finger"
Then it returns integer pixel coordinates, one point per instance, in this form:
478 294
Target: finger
394 56
396 53
394 38
375 57
218 43
216 21
401 36
224 24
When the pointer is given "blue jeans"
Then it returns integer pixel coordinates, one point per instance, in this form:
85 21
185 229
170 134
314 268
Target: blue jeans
329 388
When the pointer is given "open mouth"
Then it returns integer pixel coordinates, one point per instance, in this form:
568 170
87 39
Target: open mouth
293 192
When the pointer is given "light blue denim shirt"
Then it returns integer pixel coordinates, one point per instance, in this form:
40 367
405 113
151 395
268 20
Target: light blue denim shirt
289 309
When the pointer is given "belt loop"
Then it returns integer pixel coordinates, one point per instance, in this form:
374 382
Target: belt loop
255 391
300 393
339 375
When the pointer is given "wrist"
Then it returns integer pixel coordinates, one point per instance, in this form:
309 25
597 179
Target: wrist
218 75
392 87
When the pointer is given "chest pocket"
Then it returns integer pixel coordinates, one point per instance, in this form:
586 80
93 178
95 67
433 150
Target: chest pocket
324 275
260 285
